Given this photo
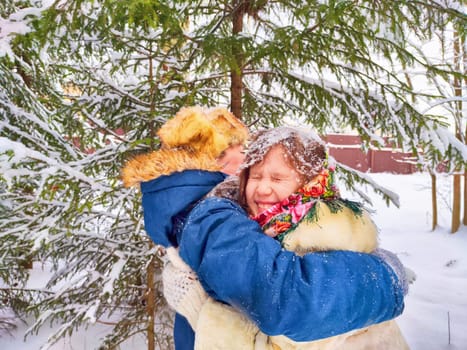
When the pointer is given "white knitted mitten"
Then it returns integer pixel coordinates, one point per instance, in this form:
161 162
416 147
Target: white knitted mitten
182 289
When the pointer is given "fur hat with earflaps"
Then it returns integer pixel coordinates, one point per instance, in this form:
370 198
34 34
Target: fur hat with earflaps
208 131
232 130
192 139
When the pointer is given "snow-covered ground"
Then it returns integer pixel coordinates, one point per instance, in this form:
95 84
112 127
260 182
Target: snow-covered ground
435 316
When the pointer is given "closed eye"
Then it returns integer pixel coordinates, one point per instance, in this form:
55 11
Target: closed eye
280 177
277 179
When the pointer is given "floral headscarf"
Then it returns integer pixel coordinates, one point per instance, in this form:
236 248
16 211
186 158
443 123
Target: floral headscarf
283 217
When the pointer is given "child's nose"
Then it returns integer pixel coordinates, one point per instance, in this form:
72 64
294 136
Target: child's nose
264 187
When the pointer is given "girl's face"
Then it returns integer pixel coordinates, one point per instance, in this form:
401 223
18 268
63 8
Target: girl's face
270 181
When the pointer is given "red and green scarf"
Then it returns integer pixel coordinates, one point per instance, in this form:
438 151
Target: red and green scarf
283 217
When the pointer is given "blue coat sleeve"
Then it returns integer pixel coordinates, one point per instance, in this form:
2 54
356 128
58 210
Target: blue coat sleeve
305 298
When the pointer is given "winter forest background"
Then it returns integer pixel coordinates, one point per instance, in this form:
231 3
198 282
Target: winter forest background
85 84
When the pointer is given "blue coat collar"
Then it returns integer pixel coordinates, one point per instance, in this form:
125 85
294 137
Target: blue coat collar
168 199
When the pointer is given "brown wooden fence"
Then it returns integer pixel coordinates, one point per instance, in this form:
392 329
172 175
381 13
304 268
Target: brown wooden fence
347 149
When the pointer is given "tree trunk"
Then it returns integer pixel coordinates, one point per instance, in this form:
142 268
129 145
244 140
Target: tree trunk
434 201
151 269
236 73
151 304
456 203
152 108
464 55
464 221
457 84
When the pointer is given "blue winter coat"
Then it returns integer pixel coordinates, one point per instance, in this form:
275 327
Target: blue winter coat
305 298
167 201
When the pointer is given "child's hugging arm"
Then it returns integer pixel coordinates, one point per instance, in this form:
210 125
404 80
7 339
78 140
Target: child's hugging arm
182 289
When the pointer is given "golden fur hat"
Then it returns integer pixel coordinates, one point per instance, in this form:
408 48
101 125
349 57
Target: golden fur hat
208 131
231 128
192 139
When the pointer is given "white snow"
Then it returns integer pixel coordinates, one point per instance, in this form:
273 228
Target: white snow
435 315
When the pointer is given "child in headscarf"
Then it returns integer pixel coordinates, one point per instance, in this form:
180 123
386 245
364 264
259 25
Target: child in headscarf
300 214
287 185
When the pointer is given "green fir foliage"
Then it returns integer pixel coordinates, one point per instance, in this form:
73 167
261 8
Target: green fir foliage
85 84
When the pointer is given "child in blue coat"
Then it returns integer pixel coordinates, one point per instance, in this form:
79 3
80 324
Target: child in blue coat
199 149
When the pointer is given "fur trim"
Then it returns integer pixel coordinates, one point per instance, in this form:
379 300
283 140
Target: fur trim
220 326
208 132
343 230
145 167
229 189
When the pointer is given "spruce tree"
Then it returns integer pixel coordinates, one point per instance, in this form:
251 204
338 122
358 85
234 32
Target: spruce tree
86 84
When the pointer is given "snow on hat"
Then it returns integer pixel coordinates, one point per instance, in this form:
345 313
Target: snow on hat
303 148
207 131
